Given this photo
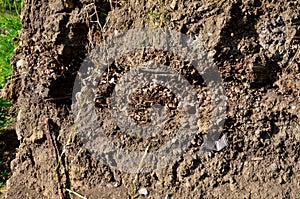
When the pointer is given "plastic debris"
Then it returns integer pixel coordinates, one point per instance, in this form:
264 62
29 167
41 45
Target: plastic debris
210 144
221 143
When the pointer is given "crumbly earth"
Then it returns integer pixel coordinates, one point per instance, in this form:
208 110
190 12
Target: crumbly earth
255 46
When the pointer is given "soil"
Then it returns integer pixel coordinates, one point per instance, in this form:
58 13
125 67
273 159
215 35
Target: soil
255 46
8 146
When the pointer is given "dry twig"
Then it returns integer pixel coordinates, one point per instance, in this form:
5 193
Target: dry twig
55 157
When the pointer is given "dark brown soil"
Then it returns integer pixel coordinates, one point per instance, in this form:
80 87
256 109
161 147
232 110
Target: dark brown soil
254 44
8 145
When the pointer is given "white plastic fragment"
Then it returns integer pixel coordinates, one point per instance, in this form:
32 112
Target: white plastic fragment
221 143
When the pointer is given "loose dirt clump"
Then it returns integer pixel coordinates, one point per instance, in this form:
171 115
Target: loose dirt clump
255 46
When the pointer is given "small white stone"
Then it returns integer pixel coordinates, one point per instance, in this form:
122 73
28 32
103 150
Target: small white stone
143 191
168 196
173 4
19 64
112 81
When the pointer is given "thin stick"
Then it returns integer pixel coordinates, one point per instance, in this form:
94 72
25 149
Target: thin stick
54 153
75 157
76 194
144 157
3 190
98 19
257 158
136 178
58 98
111 5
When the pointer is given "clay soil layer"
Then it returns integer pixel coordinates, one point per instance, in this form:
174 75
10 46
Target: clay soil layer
255 47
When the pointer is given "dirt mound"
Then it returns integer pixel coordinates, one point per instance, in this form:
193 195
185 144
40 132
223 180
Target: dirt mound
255 46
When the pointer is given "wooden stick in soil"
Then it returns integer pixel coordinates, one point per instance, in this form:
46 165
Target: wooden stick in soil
55 157
58 98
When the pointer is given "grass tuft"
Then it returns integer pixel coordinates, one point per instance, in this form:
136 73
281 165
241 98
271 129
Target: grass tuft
10 25
12 5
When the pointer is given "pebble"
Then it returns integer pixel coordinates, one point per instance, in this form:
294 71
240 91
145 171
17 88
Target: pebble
274 167
173 4
168 196
143 191
113 185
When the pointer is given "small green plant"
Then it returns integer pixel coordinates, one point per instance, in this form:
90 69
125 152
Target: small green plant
10 26
160 16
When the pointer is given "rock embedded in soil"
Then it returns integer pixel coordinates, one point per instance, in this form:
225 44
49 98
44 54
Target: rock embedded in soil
143 191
